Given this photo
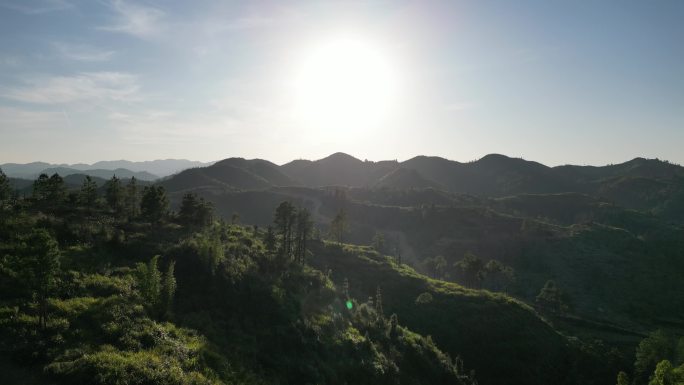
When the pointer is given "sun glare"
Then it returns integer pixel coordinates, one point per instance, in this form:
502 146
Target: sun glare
344 84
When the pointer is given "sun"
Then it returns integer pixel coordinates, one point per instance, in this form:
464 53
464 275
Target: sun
345 84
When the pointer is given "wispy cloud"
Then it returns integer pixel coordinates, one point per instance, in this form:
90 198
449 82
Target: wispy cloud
135 19
87 86
81 52
35 7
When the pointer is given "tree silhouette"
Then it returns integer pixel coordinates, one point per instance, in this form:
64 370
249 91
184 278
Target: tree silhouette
132 199
195 211
88 193
551 299
114 194
39 268
270 239
154 204
302 233
338 226
5 189
285 215
470 268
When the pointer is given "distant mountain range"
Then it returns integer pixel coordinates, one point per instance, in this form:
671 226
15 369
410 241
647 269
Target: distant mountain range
147 170
493 175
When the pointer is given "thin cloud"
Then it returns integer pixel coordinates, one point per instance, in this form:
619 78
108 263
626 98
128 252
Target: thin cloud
36 7
136 20
86 86
80 52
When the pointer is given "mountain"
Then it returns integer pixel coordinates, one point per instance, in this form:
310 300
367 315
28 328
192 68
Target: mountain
645 184
24 171
492 175
231 174
404 178
337 169
102 173
160 167
149 170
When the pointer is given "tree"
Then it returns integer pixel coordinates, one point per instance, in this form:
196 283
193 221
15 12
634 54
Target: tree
195 211
435 266
378 302
49 190
622 378
270 239
88 194
497 276
132 199
338 226
551 299
663 374
284 220
168 291
149 281
114 194
5 189
302 233
658 346
394 322
39 268
470 268
154 204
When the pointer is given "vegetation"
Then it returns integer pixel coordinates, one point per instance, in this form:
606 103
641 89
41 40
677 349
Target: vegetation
93 296
576 280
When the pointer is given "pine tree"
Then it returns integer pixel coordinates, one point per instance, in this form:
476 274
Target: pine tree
168 291
5 189
88 194
302 233
338 226
39 268
114 194
154 204
132 199
285 215
270 239
149 281
394 322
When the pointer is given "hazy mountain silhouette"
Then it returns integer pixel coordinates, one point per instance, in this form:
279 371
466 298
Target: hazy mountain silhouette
338 169
405 178
155 168
102 173
636 183
232 173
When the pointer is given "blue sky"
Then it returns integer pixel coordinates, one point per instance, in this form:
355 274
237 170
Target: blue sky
590 82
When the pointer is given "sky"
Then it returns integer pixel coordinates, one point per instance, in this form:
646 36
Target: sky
558 82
